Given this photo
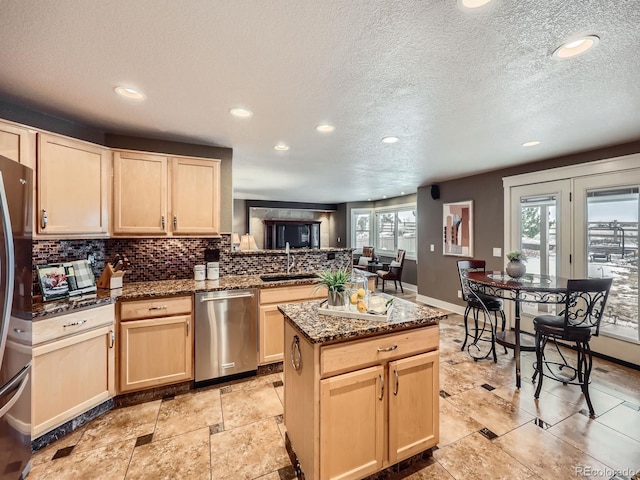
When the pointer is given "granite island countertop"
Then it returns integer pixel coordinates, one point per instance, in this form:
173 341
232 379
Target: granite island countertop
160 288
320 328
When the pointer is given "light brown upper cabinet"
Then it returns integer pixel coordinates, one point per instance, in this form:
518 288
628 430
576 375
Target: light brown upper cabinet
139 193
195 196
18 143
73 186
159 195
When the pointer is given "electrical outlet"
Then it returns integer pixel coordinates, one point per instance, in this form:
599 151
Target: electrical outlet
433 247
497 252
338 239
92 259
459 293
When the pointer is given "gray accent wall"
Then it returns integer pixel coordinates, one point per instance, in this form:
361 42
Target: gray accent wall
437 274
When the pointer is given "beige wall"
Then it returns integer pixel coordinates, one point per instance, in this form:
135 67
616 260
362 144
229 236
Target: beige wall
437 274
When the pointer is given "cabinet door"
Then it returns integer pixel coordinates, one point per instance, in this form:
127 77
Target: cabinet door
18 144
155 352
413 405
70 376
195 196
352 424
73 181
139 193
271 334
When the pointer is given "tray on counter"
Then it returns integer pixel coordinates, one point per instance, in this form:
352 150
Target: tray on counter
324 309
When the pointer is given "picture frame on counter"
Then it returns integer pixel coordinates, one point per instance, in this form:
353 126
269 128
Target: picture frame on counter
52 279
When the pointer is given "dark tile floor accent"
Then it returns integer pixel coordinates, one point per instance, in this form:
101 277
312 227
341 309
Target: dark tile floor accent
217 428
144 439
278 383
444 394
63 452
541 423
224 390
485 432
486 386
280 419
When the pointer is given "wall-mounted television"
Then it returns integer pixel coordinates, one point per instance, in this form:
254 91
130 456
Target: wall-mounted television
299 234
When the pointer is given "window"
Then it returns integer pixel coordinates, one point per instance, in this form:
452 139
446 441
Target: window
396 229
361 228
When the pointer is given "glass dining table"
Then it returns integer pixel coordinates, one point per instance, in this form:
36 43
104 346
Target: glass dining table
533 288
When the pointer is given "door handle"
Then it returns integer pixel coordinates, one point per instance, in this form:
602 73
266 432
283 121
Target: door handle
228 297
45 219
187 325
381 387
296 359
74 324
162 221
175 222
162 307
18 384
387 349
112 338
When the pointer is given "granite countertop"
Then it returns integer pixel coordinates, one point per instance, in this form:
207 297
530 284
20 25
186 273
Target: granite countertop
161 288
320 328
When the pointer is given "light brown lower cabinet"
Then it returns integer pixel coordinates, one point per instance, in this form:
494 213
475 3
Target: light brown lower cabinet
271 324
352 418
72 374
158 350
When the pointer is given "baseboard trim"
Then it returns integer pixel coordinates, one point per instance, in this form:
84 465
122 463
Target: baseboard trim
434 302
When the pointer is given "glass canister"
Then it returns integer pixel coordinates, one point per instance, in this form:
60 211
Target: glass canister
199 273
358 296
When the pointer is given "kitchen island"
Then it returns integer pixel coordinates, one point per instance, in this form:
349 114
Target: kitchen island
360 395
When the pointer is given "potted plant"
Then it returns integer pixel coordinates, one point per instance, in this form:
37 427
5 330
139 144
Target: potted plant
335 281
516 267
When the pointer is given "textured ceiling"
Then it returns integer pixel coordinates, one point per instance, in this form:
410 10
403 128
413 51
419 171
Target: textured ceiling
462 89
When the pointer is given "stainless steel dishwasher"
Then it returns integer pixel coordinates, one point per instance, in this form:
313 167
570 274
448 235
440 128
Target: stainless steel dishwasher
226 333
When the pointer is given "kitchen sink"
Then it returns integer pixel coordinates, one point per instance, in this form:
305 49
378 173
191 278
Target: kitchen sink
281 277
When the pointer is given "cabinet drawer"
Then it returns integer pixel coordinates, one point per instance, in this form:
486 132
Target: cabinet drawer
291 294
72 323
352 355
156 307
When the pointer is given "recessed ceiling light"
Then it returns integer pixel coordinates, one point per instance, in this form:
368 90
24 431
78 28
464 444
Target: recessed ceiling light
241 112
325 128
368 199
390 139
384 196
472 3
401 193
576 46
531 144
281 147
131 93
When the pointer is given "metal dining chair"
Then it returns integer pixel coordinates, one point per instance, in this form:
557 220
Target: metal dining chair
477 302
577 323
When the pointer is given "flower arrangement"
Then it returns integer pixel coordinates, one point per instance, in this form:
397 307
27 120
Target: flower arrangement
516 256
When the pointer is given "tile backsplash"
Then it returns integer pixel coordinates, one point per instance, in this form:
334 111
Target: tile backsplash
174 258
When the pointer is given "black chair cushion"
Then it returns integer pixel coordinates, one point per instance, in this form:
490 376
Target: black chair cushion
553 325
491 303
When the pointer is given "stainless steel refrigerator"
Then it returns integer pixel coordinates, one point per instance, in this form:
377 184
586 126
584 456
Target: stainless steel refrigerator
15 327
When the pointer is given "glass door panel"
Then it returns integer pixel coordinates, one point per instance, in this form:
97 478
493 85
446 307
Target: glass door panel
607 246
539 226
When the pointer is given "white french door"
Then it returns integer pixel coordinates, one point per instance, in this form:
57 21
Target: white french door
607 207
585 224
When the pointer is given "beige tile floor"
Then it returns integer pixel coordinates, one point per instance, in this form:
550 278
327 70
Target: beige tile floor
236 432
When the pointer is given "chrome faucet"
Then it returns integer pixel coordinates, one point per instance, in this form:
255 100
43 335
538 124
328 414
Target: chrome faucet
290 264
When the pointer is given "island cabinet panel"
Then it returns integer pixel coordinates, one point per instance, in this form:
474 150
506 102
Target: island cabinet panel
195 196
352 426
271 323
413 415
73 183
140 194
357 406
156 342
74 373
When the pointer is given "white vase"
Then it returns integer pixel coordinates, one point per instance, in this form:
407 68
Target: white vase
516 268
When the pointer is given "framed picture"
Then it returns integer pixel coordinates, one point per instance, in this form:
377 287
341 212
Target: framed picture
457 229
53 281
